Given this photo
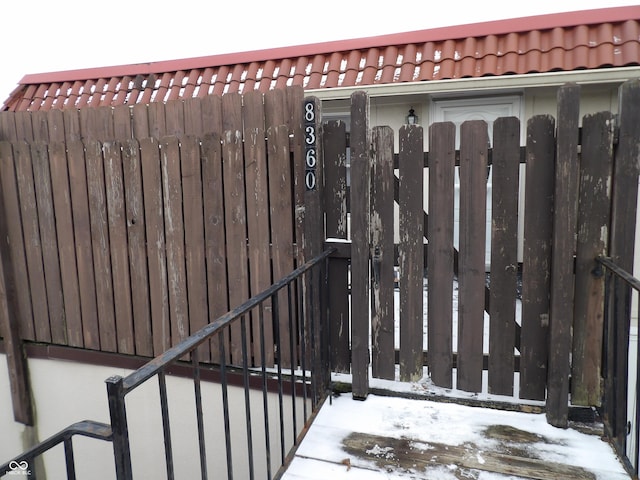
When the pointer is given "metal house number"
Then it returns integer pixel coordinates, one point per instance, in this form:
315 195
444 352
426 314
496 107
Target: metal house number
310 150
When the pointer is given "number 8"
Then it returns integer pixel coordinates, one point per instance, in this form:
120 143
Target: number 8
309 114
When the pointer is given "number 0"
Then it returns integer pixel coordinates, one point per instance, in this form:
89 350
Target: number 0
310 180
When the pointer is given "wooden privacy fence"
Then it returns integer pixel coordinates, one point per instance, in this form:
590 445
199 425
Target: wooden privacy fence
129 228
570 187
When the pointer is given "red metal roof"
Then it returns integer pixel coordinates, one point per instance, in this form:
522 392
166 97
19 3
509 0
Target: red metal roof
589 39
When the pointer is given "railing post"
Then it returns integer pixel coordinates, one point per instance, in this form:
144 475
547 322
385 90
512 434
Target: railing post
120 431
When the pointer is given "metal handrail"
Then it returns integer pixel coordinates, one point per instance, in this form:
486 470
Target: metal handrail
617 318
86 428
632 281
118 387
189 344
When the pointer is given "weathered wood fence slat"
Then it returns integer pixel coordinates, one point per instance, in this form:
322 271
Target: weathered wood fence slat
471 268
504 259
536 263
382 252
440 253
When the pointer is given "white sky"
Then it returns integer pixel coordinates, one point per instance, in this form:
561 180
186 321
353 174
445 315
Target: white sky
39 36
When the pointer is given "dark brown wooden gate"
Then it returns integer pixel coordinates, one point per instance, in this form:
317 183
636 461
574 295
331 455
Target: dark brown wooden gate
553 342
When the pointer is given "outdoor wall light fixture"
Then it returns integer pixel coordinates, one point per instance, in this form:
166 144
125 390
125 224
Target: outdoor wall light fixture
412 118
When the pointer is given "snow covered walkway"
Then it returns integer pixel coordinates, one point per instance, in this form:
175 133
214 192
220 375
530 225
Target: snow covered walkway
398 438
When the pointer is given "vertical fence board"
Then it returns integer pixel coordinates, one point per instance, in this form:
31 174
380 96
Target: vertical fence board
40 126
275 108
97 123
82 243
294 102
100 246
156 244
440 252
194 236
335 160
536 263
49 242
24 130
156 118
562 262
174 118
214 228
593 220
311 290
193 116
212 114
55 119
256 180
622 249
16 251
136 240
294 98
10 314
360 197
504 254
383 258
232 112
122 123
471 275
281 206
235 212
411 252
8 127
72 131
174 234
140 121
116 217
66 242
235 230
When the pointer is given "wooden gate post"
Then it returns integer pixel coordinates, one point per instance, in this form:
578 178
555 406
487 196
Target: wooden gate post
563 248
313 241
360 200
594 207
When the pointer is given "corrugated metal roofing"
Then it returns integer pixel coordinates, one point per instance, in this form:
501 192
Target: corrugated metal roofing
559 42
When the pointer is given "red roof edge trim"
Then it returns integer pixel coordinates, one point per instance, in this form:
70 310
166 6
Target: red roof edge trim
496 27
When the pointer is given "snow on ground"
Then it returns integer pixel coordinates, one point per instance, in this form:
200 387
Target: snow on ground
321 454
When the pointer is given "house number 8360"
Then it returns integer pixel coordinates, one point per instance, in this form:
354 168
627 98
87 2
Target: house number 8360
310 146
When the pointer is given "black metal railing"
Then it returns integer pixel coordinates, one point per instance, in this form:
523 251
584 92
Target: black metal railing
24 464
288 395
621 411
